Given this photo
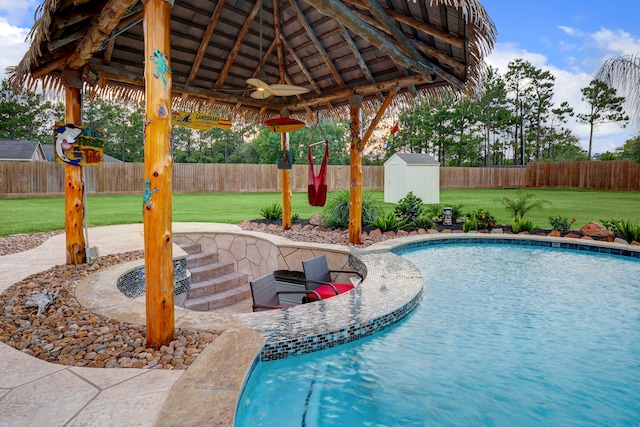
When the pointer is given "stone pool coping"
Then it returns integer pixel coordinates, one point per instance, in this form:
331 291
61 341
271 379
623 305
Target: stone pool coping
217 377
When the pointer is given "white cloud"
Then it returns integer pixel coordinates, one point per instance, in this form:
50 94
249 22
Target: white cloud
13 46
503 53
19 12
616 43
570 31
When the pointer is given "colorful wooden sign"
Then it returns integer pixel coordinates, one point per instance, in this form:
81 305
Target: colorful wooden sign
200 121
78 145
284 124
285 159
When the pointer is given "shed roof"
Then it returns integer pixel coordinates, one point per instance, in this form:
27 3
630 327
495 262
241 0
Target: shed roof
417 159
20 150
336 48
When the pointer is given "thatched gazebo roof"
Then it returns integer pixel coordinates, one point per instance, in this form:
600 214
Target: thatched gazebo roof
336 48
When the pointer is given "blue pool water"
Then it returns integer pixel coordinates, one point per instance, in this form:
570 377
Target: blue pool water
505 335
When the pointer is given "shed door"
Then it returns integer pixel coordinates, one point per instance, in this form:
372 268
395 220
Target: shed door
396 182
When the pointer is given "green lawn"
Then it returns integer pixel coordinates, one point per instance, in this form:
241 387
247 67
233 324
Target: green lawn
47 213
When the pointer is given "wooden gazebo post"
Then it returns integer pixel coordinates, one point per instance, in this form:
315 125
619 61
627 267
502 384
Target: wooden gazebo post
74 186
285 177
355 174
158 163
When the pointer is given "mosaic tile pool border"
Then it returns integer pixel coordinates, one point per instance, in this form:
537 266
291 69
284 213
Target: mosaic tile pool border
374 305
312 343
519 242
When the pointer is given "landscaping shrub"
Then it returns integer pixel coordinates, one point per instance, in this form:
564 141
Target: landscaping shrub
272 211
422 222
470 224
629 231
561 224
521 204
610 224
483 218
387 222
409 208
519 225
336 211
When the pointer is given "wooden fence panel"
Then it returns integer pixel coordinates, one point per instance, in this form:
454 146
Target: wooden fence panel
601 175
23 179
458 178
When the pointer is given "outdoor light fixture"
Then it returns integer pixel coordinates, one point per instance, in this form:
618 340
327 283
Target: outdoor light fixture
447 218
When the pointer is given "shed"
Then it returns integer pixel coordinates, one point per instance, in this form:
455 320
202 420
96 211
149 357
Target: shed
22 151
405 172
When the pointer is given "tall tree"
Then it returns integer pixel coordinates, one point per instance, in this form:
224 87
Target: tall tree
496 115
540 92
517 77
603 107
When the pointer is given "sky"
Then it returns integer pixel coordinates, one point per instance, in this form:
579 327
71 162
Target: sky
569 38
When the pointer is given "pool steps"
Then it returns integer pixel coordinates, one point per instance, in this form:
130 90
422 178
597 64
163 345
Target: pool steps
214 284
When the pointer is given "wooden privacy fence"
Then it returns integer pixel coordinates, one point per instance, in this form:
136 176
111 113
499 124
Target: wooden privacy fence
26 179
21 179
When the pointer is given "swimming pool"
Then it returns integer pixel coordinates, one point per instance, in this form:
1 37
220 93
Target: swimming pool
505 335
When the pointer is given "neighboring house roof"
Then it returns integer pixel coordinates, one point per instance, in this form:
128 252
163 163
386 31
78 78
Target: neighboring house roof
48 150
417 159
24 151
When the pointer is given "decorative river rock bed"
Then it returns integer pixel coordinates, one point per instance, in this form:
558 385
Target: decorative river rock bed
68 334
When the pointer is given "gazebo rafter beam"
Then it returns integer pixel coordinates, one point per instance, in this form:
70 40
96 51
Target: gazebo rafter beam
321 50
103 26
348 18
215 16
356 53
418 25
238 44
410 80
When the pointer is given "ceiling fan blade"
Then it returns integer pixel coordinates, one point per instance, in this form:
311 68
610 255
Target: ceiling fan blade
261 94
261 84
288 90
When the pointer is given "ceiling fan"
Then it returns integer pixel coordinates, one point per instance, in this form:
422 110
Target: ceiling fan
265 90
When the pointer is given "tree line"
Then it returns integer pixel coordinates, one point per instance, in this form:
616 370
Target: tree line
510 120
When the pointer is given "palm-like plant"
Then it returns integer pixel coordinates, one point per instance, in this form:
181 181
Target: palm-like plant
521 204
623 73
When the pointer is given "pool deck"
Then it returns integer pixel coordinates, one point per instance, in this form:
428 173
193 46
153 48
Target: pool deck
34 392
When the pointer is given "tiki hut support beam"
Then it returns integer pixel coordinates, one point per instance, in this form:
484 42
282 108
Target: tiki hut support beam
74 187
355 172
158 163
378 117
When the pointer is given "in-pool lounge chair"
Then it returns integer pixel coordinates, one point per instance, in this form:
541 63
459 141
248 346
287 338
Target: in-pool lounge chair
266 296
318 279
